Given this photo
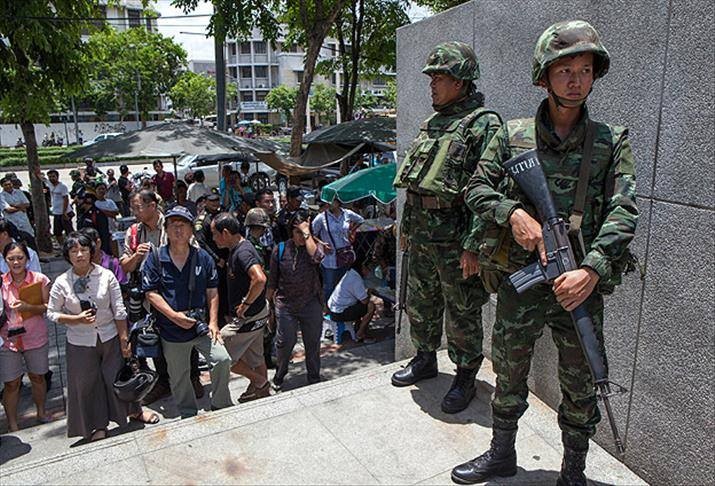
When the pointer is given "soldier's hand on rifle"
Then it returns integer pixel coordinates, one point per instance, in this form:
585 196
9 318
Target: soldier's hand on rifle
527 233
573 288
469 263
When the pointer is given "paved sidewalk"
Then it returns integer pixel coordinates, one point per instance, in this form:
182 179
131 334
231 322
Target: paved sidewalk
356 429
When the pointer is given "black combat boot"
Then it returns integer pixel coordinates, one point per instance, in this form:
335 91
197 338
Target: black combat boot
462 391
422 366
499 460
573 466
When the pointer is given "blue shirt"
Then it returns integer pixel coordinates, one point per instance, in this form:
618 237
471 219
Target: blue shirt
172 284
339 229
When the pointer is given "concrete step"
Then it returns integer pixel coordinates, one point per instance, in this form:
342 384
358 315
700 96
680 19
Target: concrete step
356 429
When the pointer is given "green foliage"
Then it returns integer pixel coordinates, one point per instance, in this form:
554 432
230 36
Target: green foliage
366 34
439 5
282 98
389 99
41 60
365 100
131 63
194 93
236 18
323 101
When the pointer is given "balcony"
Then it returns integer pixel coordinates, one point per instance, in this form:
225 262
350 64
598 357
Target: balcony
244 59
262 83
245 83
260 58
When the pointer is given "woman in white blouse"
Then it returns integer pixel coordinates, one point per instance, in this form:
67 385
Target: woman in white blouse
88 300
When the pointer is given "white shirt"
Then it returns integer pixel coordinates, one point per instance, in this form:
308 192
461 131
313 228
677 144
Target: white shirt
58 198
196 190
18 218
103 290
32 264
348 292
339 228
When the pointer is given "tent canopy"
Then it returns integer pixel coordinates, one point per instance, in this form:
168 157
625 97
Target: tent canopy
380 130
162 141
375 182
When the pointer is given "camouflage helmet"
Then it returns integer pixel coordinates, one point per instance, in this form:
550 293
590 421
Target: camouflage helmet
257 217
567 39
454 58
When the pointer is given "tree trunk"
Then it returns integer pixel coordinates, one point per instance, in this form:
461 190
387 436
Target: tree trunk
42 220
296 137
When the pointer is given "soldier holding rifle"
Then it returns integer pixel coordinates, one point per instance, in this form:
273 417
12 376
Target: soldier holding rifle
590 173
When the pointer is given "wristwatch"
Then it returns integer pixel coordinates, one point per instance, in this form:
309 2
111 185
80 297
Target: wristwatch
306 235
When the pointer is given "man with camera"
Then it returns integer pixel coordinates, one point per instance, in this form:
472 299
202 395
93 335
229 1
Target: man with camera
243 332
180 282
140 238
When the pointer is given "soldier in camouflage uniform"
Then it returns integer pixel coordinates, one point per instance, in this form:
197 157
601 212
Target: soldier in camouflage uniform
442 233
568 58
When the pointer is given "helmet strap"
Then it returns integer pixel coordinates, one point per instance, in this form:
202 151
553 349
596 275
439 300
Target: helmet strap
563 102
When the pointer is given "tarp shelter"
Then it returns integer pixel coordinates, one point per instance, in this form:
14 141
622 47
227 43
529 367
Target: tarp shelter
331 145
162 141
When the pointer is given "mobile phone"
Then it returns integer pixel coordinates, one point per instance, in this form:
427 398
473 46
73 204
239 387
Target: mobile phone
17 331
87 305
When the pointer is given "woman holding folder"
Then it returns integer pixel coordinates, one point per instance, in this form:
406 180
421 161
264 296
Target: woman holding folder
24 296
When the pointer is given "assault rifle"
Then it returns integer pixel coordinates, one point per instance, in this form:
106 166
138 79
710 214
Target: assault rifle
401 304
526 170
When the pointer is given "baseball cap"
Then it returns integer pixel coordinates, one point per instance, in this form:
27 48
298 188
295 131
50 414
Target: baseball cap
179 212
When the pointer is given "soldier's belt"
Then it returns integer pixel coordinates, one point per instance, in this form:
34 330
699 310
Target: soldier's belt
430 202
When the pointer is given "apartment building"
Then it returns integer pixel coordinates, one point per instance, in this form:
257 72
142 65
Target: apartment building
256 66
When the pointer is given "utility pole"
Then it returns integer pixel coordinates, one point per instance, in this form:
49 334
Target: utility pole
136 100
219 39
76 125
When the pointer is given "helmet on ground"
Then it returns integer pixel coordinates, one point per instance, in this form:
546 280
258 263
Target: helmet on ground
454 58
133 383
567 39
257 217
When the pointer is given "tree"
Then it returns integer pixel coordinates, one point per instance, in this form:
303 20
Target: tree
322 101
41 61
282 98
365 100
235 18
389 99
439 5
308 23
195 94
132 64
366 34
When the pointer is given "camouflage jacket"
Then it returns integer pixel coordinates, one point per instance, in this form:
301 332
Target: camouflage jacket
610 213
424 226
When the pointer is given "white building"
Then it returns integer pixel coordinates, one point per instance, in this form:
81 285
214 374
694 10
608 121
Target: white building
257 66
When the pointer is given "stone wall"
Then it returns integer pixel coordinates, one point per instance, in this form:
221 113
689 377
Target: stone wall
659 332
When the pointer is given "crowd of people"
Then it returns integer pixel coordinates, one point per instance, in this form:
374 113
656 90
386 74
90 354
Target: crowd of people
217 274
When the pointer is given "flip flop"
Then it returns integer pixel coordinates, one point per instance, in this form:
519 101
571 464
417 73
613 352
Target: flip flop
153 418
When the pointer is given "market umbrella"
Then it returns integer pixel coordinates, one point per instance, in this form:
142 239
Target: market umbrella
380 131
375 182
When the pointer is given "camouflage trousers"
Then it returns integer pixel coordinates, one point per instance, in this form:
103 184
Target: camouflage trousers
436 293
520 321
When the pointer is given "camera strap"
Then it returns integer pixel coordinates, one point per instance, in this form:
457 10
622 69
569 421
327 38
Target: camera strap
192 276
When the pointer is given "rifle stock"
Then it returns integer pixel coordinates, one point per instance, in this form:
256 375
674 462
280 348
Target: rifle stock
526 170
401 304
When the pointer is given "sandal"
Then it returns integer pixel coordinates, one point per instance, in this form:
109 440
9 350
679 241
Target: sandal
142 418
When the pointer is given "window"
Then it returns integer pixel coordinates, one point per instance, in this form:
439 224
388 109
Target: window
245 47
245 72
232 48
332 50
259 47
261 95
148 23
299 76
232 73
334 79
134 17
247 96
291 48
261 71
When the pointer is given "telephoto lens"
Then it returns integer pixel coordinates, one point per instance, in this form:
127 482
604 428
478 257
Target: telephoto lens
135 305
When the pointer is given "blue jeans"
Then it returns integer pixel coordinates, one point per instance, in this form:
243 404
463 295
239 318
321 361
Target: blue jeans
331 277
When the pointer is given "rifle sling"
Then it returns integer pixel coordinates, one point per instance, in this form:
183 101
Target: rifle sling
584 174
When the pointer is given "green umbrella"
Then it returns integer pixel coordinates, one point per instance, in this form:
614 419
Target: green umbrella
375 182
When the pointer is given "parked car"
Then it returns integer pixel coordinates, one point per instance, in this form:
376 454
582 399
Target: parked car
100 138
260 175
